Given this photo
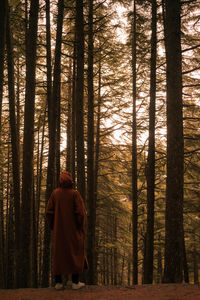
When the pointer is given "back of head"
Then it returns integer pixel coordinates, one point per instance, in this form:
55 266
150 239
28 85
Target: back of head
65 180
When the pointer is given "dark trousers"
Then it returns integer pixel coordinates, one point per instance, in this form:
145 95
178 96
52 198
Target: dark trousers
75 278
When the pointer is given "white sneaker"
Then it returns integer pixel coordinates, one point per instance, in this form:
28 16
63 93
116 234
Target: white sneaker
79 285
59 286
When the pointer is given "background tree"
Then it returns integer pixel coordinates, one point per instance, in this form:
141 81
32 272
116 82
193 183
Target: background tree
175 147
27 175
54 124
14 141
3 17
148 259
79 89
90 155
134 155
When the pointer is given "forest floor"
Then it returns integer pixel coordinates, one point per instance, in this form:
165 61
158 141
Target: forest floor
140 292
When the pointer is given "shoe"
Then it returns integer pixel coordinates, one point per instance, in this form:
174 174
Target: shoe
58 286
79 285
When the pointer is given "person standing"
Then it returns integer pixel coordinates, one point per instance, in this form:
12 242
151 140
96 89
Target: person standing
66 216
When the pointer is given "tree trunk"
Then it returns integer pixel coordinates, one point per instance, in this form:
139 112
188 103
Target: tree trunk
3 18
115 261
195 261
53 103
96 163
9 245
73 140
56 82
51 152
2 234
185 264
27 177
69 121
148 259
91 220
134 157
173 270
79 98
159 262
14 143
18 117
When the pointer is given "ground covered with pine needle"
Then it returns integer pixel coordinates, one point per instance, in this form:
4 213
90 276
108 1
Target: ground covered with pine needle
140 292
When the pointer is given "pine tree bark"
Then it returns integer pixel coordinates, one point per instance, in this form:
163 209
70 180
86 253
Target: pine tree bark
96 161
27 177
195 260
173 269
53 104
149 251
79 28
134 157
51 152
56 82
73 141
14 142
2 234
3 18
9 245
115 261
91 205
185 264
69 120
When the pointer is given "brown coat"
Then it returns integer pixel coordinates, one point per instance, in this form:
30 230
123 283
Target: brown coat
66 216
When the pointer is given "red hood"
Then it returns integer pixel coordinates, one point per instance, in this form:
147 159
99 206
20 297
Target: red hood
65 180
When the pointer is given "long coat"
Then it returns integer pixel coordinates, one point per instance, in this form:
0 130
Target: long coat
66 216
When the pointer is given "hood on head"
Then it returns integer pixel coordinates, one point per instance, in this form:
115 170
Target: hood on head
65 180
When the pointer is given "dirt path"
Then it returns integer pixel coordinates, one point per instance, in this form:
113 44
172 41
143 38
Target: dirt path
141 292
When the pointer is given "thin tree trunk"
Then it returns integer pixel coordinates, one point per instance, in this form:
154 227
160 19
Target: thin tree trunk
91 220
3 18
134 157
33 255
122 270
18 117
129 273
185 264
45 272
56 82
38 194
173 271
2 233
73 141
116 262
9 253
148 259
79 98
159 263
27 177
195 261
14 143
69 121
96 163
58 111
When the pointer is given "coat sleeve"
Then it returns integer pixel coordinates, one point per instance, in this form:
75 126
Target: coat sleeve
79 211
50 211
